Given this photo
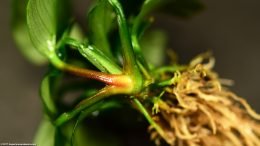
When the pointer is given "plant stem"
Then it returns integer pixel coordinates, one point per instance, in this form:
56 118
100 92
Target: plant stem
103 93
110 79
130 65
147 116
147 6
127 49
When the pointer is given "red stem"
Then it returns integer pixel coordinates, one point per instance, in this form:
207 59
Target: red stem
110 79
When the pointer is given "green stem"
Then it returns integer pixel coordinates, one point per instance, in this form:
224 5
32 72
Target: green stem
127 49
136 45
103 93
147 6
83 115
138 52
130 65
147 116
100 106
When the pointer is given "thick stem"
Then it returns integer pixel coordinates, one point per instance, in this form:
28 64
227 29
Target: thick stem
127 49
130 64
109 79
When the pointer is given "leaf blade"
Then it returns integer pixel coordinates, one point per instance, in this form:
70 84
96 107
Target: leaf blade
21 34
96 57
43 18
48 87
100 19
153 46
45 134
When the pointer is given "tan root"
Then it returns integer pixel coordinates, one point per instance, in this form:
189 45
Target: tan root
197 110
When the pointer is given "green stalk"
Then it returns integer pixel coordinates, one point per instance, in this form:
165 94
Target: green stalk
130 65
127 49
103 93
147 116
147 6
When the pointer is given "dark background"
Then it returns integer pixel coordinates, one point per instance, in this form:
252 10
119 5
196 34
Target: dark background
230 28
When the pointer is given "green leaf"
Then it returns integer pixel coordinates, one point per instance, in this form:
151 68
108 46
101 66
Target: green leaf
96 57
101 20
46 92
49 135
21 34
147 7
45 24
153 46
180 8
76 33
45 135
139 25
100 60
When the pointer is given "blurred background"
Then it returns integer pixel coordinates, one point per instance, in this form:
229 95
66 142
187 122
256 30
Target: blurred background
229 28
